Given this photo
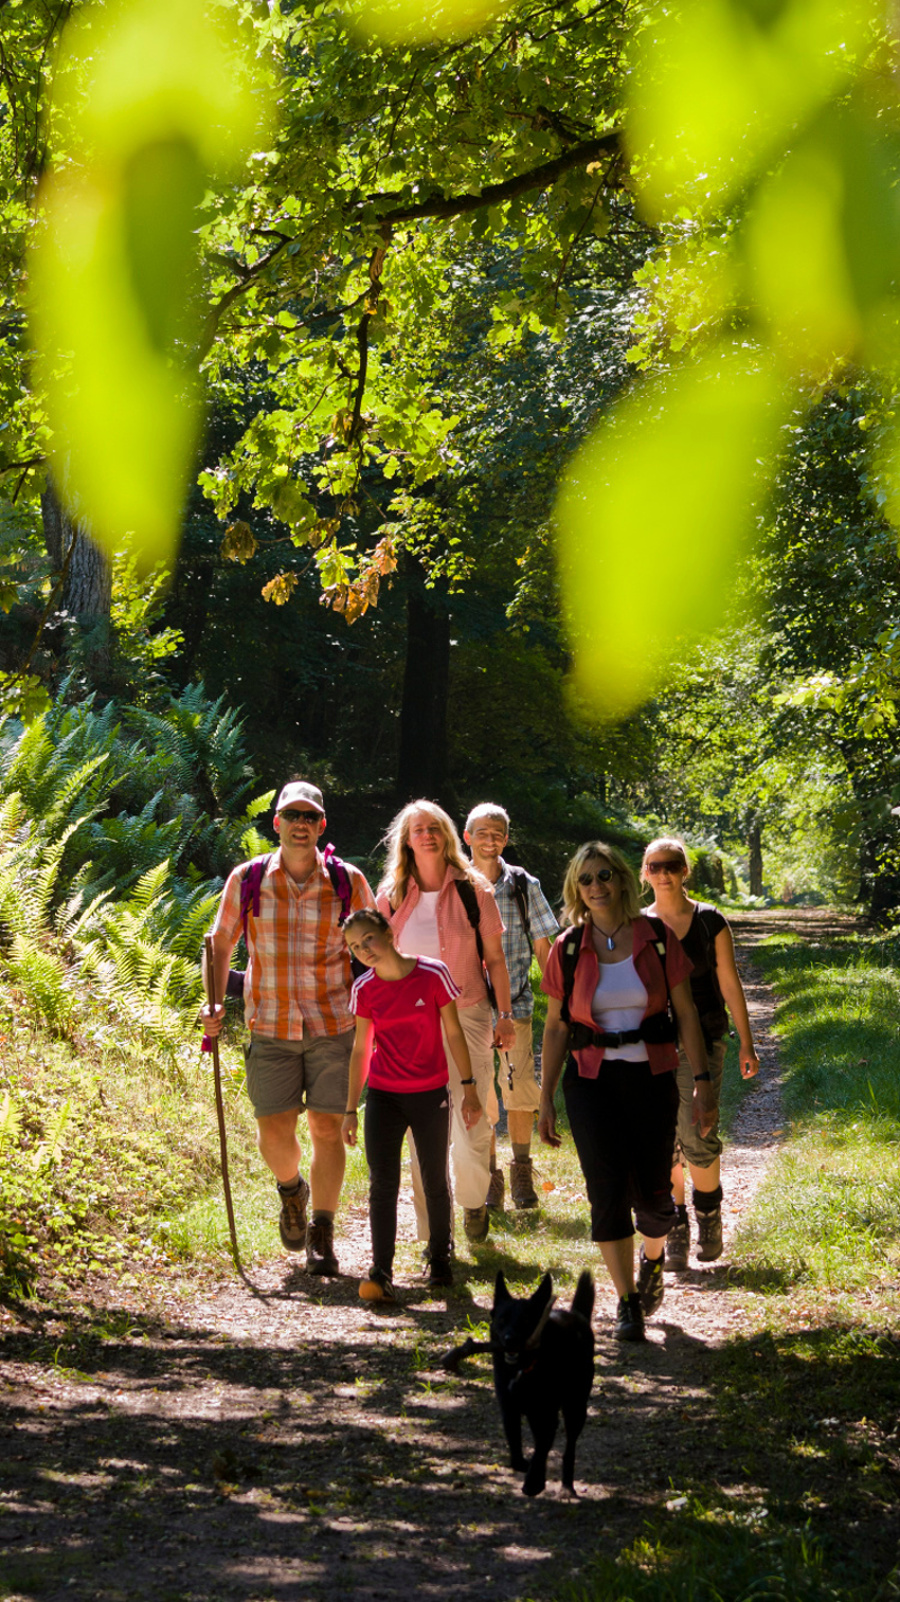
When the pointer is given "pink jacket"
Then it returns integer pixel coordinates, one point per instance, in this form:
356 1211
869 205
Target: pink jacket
663 1057
456 935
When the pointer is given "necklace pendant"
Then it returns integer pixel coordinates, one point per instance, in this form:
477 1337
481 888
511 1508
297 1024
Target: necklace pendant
610 943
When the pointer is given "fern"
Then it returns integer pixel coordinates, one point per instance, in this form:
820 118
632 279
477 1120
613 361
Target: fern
10 1120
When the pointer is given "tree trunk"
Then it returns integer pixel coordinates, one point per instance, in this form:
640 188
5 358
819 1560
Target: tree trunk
86 598
422 765
754 849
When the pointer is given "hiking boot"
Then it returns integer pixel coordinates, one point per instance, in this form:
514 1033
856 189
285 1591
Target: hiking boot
629 1324
292 1223
709 1235
477 1223
678 1242
440 1273
320 1258
495 1189
521 1183
377 1286
650 1286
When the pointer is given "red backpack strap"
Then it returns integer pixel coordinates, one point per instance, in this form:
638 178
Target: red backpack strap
340 881
251 881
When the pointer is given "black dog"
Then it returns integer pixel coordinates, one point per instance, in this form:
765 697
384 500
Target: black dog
543 1366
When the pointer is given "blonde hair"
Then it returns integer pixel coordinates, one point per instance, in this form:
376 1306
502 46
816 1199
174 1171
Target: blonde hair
666 842
574 909
400 864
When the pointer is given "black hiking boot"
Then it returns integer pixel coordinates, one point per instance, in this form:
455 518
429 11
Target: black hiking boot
709 1235
678 1242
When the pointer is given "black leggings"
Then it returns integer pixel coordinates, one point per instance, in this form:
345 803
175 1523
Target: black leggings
623 1126
389 1114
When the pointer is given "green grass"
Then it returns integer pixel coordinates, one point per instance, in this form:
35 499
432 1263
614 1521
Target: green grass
828 1219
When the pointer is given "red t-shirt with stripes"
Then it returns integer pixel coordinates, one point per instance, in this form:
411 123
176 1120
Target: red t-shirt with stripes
409 1047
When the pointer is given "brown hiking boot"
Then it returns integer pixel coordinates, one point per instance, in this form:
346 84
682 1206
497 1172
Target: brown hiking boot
521 1183
477 1223
320 1258
292 1223
495 1189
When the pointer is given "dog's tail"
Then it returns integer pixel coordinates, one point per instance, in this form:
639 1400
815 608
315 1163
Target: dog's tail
583 1300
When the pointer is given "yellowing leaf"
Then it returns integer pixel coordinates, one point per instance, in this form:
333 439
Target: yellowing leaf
280 589
652 516
238 543
723 82
159 100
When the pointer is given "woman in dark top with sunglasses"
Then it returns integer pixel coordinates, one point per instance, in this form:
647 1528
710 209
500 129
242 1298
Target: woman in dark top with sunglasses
715 983
614 982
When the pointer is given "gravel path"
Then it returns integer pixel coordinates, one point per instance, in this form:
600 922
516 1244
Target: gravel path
291 1444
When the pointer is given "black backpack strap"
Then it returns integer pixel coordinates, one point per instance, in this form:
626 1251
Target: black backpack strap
571 947
465 889
520 891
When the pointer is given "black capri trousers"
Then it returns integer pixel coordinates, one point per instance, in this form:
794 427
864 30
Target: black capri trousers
623 1126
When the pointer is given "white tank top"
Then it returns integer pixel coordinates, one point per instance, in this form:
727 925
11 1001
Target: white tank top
619 1002
419 935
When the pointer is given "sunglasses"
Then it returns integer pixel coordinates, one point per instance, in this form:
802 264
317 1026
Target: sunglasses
291 815
672 866
602 876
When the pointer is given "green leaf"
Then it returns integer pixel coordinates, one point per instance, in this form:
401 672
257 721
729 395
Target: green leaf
723 82
160 100
652 516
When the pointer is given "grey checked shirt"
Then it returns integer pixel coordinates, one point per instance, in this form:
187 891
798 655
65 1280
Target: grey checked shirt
516 949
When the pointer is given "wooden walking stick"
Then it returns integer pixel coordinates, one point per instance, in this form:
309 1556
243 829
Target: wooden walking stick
220 1106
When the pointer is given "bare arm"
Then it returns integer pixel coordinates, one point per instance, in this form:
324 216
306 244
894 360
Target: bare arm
495 963
553 1055
735 1000
459 1050
359 1061
705 1107
542 951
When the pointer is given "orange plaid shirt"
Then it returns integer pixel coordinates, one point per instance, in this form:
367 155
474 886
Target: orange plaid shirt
298 977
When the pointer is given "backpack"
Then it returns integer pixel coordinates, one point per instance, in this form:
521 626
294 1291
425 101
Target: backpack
251 884
465 889
520 892
657 1029
714 1022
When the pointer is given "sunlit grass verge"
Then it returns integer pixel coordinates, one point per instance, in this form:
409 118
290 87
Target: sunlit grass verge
100 1145
701 1552
828 1219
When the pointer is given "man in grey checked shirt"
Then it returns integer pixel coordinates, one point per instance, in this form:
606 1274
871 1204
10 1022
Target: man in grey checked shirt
486 834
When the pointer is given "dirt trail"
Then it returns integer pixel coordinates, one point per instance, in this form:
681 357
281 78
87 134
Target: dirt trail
291 1444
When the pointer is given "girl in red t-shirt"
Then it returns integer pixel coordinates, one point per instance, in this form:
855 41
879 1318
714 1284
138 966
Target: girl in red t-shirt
408 1004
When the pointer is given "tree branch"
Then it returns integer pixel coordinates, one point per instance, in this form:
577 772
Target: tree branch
522 183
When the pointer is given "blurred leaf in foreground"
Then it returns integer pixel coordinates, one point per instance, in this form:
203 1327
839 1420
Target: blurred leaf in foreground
160 100
724 83
653 514
822 239
423 22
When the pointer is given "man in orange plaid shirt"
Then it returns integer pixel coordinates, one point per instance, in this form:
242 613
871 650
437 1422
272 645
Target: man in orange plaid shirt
296 1003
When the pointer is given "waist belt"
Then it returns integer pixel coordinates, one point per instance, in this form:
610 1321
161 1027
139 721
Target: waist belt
581 1036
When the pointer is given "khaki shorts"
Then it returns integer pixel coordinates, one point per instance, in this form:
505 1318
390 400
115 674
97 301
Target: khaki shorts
690 1146
525 1094
312 1073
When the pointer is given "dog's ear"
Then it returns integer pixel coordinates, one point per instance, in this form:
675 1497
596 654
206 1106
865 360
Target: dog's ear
501 1294
543 1294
